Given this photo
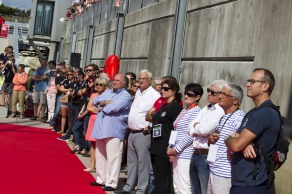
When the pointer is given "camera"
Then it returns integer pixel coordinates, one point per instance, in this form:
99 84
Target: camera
148 131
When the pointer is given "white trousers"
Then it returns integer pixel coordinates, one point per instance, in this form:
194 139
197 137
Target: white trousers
108 155
218 185
181 176
51 99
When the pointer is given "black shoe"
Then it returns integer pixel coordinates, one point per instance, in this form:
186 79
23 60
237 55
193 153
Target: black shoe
123 192
108 188
96 184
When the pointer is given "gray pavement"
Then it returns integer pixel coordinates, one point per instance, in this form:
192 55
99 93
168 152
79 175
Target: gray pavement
45 126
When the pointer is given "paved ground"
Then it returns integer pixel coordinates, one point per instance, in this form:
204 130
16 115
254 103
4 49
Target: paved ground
27 122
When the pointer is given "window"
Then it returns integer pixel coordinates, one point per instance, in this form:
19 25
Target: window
43 18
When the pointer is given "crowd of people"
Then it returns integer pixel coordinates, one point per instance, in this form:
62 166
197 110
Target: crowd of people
77 8
167 138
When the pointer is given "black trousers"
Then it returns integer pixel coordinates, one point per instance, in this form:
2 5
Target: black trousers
162 174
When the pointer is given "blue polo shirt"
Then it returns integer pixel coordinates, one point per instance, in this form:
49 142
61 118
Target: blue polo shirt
265 124
41 85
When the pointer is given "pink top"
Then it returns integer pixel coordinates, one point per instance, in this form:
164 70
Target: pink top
52 86
19 81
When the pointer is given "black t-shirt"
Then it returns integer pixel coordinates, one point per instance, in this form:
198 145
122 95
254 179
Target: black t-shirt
58 81
8 72
165 116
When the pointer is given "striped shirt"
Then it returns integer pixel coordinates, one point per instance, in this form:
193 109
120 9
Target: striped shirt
183 142
222 167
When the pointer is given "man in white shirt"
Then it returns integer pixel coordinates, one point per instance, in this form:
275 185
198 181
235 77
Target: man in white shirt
138 157
204 124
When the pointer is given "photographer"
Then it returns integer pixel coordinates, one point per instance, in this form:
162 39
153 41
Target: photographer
9 70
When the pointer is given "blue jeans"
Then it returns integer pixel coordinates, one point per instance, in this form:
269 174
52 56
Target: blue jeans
78 133
85 126
199 174
57 110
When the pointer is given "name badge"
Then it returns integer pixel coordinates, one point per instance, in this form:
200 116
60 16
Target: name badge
157 130
213 149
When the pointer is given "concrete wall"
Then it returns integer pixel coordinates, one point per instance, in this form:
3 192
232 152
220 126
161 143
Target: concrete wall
222 40
148 38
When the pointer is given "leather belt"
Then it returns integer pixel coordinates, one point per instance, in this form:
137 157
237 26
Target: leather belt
201 151
136 131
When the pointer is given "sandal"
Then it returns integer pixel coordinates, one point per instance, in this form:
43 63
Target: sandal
89 170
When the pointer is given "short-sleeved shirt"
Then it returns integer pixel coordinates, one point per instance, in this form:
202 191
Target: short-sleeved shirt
166 115
67 84
265 124
8 72
41 85
58 81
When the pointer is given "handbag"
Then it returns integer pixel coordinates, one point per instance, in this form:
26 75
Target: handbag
64 98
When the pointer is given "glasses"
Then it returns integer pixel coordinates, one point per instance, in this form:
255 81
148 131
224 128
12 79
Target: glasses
98 84
225 95
143 79
190 95
213 93
69 74
88 70
253 81
165 88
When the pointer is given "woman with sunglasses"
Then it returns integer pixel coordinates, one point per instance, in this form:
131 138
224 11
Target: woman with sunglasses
82 146
66 88
181 152
101 84
162 126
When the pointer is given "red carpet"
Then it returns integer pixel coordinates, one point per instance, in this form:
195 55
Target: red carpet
33 161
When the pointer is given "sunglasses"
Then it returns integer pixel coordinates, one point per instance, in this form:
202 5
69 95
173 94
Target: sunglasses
98 84
69 74
213 93
88 70
89 81
190 95
165 88
136 86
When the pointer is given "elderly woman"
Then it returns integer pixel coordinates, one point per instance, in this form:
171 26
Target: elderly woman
101 84
19 88
162 126
182 150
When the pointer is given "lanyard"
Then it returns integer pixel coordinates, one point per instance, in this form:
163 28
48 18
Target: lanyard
225 121
182 115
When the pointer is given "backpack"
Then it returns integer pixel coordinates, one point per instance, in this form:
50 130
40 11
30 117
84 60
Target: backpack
279 155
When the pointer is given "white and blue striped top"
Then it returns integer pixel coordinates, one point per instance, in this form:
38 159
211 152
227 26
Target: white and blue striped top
222 167
183 142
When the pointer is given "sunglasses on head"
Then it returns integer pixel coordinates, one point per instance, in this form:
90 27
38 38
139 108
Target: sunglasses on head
165 88
98 84
213 93
191 95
